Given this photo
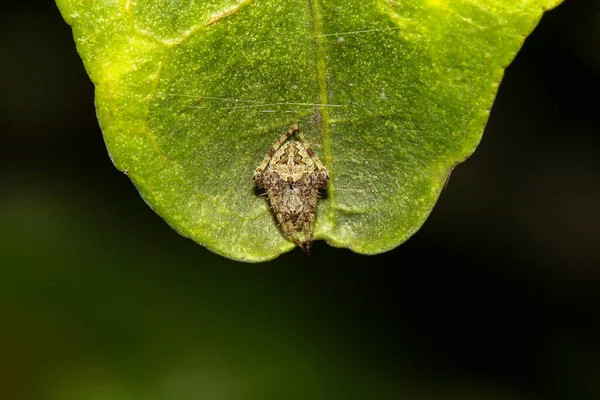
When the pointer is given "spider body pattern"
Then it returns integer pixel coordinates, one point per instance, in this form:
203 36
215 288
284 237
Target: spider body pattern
292 175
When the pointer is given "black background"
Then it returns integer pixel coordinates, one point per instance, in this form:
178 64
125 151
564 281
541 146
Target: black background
497 296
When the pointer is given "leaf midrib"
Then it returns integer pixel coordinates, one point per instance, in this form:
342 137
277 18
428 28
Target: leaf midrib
323 98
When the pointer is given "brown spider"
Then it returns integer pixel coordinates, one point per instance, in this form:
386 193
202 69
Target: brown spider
292 174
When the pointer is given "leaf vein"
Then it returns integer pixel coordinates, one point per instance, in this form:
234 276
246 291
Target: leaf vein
319 41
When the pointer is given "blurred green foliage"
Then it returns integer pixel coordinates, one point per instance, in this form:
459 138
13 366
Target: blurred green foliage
109 316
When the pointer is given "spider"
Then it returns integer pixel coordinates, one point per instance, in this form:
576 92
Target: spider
292 174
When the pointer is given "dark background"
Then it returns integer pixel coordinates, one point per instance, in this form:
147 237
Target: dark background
496 297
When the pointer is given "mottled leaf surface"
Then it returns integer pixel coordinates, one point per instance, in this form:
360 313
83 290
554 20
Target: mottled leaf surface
192 94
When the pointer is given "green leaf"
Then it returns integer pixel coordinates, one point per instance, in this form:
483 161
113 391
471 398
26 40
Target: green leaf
391 94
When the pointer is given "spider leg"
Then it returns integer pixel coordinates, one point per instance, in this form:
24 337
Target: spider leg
308 227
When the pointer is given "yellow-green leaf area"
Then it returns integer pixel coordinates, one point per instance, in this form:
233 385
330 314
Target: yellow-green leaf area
392 95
